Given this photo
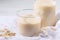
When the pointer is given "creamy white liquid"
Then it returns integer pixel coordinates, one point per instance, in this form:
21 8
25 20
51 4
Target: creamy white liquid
29 26
46 10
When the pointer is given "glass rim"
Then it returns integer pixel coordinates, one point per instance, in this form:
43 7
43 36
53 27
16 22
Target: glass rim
26 15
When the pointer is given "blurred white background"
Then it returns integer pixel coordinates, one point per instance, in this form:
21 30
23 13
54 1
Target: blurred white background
9 7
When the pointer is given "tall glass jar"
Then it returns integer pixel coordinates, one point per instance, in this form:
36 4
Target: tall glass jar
28 24
46 9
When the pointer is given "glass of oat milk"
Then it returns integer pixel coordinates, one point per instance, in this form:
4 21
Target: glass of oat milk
46 9
28 24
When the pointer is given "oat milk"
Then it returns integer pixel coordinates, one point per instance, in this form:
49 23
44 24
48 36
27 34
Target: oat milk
29 25
46 10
